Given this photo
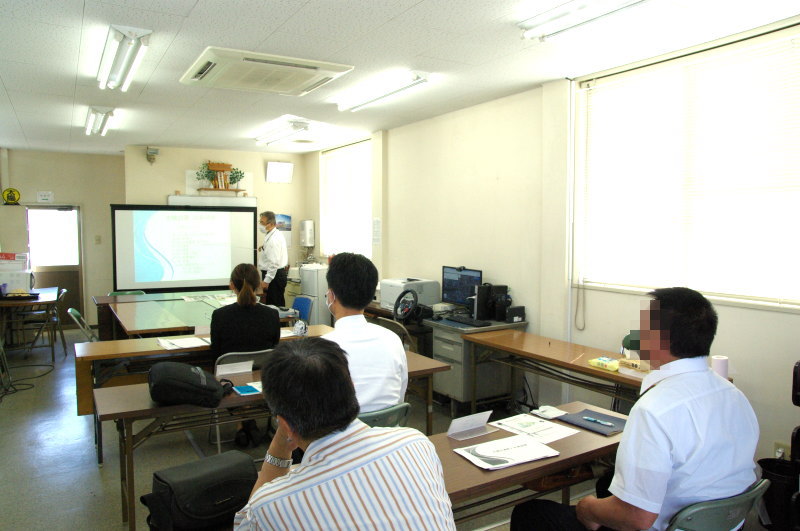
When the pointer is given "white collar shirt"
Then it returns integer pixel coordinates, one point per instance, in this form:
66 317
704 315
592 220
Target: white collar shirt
690 437
274 254
377 360
358 478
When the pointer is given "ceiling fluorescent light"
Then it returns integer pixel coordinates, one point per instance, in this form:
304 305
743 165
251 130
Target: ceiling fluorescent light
291 128
571 15
98 120
407 80
124 50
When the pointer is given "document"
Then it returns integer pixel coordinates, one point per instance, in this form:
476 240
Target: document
185 342
470 426
542 430
506 452
234 368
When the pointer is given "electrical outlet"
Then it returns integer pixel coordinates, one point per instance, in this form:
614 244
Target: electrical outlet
782 450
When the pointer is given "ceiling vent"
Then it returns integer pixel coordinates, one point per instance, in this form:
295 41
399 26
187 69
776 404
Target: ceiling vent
258 72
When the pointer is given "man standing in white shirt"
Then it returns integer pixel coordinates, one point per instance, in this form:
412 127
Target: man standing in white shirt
690 437
377 359
273 260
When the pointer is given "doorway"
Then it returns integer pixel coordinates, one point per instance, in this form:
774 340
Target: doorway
55 247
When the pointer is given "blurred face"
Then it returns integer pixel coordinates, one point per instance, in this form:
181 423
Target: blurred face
263 222
653 342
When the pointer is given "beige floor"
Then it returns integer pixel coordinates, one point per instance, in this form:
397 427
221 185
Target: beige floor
49 478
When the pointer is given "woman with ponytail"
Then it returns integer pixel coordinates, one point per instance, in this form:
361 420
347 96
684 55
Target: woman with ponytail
245 325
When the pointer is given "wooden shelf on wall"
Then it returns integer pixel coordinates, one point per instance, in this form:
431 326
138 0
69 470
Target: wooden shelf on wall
235 190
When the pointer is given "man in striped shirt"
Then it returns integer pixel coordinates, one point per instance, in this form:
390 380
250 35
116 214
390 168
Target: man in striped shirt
352 476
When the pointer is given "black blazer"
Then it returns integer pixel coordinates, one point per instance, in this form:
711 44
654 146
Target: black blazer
236 328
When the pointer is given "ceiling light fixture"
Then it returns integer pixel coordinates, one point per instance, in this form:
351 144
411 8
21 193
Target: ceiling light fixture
571 15
404 80
98 120
289 129
122 55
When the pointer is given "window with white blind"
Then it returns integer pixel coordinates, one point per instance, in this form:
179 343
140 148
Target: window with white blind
688 173
345 200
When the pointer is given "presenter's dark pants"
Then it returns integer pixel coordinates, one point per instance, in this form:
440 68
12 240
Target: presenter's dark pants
274 293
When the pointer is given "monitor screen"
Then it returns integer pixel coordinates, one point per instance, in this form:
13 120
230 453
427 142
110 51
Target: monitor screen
458 283
160 248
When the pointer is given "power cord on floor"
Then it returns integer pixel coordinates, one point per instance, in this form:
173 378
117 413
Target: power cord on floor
17 386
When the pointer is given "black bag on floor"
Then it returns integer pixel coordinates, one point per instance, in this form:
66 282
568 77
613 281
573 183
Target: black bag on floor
173 383
203 494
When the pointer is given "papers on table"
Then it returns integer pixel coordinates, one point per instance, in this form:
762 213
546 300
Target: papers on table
541 430
287 332
470 426
184 342
502 453
234 368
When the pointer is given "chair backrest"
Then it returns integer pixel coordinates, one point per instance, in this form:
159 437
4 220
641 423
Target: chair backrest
388 417
82 324
131 292
718 515
257 356
303 305
409 342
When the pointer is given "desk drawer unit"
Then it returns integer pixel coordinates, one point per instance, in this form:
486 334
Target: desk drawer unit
448 347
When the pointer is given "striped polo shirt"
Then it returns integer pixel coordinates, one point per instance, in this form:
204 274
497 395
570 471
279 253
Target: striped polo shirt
361 477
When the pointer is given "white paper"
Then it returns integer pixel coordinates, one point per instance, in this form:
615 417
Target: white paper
543 431
167 344
189 342
502 453
470 426
287 332
548 412
235 368
257 385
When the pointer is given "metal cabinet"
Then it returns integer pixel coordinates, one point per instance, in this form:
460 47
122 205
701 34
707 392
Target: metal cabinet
448 347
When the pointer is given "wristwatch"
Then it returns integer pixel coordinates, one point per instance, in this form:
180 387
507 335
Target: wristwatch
274 461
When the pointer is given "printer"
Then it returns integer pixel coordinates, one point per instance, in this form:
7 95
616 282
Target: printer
428 291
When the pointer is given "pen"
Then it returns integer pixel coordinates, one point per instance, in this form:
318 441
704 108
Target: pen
601 422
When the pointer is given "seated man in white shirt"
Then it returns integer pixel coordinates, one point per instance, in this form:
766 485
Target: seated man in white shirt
377 359
690 437
352 476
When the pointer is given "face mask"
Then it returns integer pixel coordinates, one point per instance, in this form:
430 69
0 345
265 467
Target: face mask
329 304
262 229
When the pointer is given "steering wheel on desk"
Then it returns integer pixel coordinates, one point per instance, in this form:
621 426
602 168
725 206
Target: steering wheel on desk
405 308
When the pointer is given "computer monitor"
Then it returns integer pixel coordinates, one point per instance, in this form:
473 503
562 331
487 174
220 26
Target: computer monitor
458 283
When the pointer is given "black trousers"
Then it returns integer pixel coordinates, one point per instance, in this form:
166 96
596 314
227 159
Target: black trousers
546 515
274 293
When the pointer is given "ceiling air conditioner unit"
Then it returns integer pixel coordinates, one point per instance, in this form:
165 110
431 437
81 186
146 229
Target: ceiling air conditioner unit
258 72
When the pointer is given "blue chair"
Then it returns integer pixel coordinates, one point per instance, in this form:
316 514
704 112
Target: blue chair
303 305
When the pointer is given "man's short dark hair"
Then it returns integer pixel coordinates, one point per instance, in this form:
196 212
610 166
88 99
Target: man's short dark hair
270 215
308 383
690 319
352 278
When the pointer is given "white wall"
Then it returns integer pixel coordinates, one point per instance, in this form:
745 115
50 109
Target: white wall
465 189
150 184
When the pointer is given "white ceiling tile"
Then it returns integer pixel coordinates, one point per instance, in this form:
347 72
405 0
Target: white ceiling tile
58 108
27 77
39 43
170 7
58 12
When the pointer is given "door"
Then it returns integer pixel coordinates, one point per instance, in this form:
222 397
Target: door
55 247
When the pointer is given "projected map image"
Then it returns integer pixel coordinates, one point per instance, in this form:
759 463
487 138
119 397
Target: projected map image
181 246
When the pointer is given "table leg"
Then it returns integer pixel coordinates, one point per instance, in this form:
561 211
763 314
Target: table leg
126 475
84 386
429 398
474 406
98 440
